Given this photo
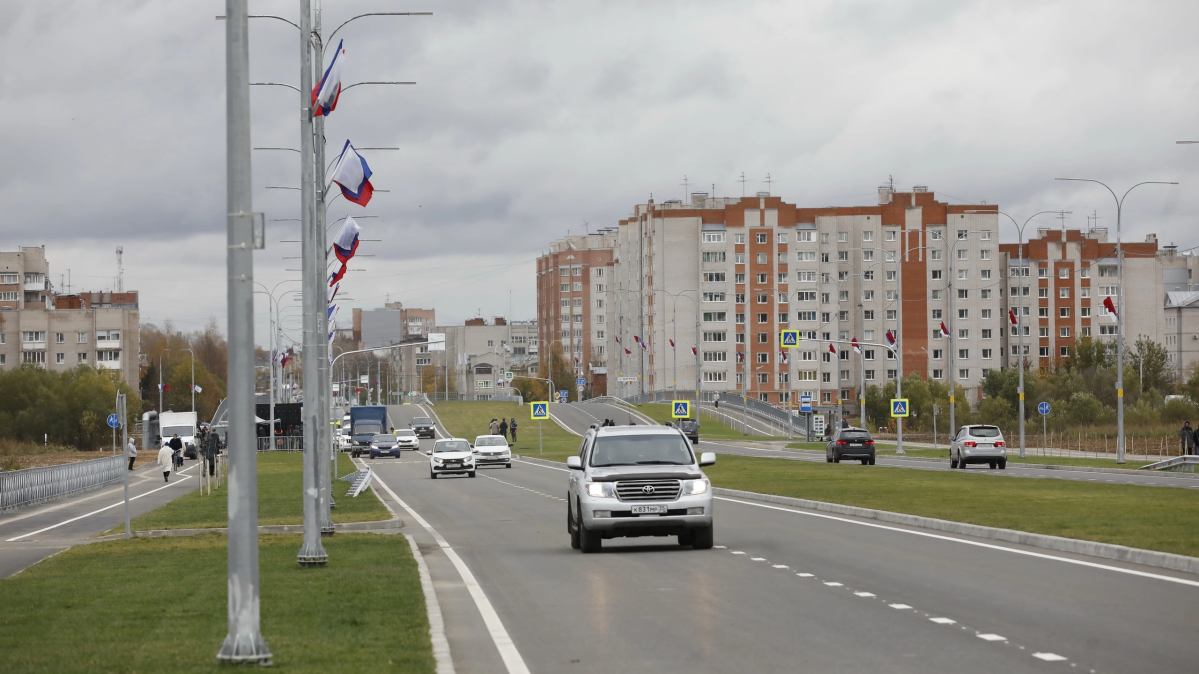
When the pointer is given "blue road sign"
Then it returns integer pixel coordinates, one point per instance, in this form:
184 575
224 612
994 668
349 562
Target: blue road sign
540 410
789 339
681 409
580 382
899 407
113 422
1043 408
564 395
805 403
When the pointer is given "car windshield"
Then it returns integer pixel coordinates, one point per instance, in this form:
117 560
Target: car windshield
855 435
385 438
490 441
422 421
367 428
405 433
641 450
451 446
985 431
688 425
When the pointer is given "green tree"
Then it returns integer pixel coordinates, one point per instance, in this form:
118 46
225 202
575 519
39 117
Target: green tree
1153 364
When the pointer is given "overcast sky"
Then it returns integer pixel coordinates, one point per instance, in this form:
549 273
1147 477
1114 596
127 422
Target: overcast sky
531 119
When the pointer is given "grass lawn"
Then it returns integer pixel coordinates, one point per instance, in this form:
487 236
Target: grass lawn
1142 517
159 605
280 499
709 428
943 453
470 419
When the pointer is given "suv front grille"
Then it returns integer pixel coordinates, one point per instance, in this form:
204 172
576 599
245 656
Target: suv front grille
648 490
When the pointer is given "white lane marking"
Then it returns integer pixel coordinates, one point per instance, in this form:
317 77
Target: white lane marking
989 546
719 547
514 663
441 644
738 552
757 559
834 583
900 607
539 493
566 428
631 412
991 637
865 594
943 621
780 566
805 575
1049 657
121 502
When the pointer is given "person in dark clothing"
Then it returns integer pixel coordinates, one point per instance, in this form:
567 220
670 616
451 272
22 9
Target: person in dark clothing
210 451
512 428
1186 438
177 449
504 428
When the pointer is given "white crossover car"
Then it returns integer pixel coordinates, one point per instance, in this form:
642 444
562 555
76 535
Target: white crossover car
451 455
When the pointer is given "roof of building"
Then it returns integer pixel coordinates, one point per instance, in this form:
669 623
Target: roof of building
1176 299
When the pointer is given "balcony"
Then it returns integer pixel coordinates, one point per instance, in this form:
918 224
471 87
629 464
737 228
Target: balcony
30 346
108 364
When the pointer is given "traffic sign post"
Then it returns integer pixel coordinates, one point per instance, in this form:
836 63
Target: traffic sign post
899 408
539 411
1044 409
805 404
680 409
563 396
112 423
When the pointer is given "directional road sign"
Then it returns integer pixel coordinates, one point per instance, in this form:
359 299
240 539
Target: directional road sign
580 382
627 380
681 409
789 339
564 395
113 422
805 403
899 407
1043 408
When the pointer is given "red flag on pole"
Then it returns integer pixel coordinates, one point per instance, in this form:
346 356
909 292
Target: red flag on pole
1011 316
1111 307
944 330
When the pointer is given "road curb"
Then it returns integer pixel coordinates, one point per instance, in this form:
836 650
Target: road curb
1163 560
391 526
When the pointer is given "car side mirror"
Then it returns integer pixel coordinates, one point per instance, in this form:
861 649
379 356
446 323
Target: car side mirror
574 463
511 444
707 458
951 437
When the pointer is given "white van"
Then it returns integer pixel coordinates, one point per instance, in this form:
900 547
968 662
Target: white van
182 424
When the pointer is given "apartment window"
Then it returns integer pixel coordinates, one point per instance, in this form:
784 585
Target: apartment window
805 375
844 377
869 375
761 258
868 315
1107 291
1086 332
986 333
578 302
868 276
9 296
739 258
33 336
1108 330
963 274
842 256
715 376
1084 292
782 278
805 296
963 254
79 358
1042 272
805 276
576 271
713 237
739 298
963 334
936 234
600 270
843 316
599 287
738 278
937 315
599 334
714 297
826 378
867 256
1063 272
763 318
713 256
8 278
890 276
963 354
984 254
985 293
762 279
715 277
761 238
1063 312
577 287
741 335
1063 293
763 338
805 237
868 354
762 298
1063 332
938 354
984 273
784 318
805 256
578 318
60 358
1043 292
599 304
1042 332
938 374
936 274
867 295
33 356
1085 272
986 314
738 238
715 356
891 313
963 373
824 257
806 316
783 298
825 277
963 294
715 336
565 287
889 235
715 316
842 237
1043 351
1085 312
842 275
59 338
963 313
762 357
781 237
108 356
740 319
934 254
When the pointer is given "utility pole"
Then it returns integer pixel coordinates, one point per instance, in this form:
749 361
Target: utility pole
321 386
244 642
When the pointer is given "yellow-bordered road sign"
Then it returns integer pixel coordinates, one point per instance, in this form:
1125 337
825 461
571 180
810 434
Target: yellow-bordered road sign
789 339
539 410
899 407
680 409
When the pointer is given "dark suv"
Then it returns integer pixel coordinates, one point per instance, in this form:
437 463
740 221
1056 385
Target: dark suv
850 443
690 428
423 426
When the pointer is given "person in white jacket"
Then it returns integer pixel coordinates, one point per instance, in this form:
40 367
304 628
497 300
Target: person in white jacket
166 461
131 452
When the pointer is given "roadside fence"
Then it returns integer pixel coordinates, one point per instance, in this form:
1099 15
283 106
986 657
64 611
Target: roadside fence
29 486
281 443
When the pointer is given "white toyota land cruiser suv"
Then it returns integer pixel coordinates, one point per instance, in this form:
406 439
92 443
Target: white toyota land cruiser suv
638 481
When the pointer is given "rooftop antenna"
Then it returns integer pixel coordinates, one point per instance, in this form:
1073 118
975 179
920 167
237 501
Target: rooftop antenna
742 181
769 183
1062 216
120 269
1094 216
685 188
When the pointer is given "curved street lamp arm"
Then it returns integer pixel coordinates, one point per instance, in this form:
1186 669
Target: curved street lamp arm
272 16
358 84
274 84
361 16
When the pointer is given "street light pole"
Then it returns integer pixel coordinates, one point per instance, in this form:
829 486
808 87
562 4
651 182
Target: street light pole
1119 307
321 387
244 642
193 355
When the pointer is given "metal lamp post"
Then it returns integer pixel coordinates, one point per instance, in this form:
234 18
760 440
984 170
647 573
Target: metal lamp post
193 355
1119 307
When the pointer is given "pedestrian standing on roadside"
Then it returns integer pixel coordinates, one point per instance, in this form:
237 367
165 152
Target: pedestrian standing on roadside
1186 438
210 449
166 461
512 429
131 452
504 428
494 428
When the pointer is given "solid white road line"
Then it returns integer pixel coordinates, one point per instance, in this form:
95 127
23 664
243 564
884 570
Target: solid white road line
514 663
441 645
990 546
121 502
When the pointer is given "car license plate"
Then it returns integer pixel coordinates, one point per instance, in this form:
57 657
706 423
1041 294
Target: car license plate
984 445
649 510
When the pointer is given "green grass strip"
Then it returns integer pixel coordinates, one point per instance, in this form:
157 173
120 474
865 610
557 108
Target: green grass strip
1153 518
159 605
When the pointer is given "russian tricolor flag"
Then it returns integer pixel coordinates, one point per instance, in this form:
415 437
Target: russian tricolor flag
1111 307
353 176
346 243
325 94
891 338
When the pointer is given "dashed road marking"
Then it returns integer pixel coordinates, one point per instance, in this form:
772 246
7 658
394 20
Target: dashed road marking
865 594
833 583
532 491
943 621
757 559
738 552
804 575
780 566
901 607
991 637
1049 657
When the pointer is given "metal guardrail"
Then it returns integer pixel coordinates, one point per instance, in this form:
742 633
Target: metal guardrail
1181 464
361 480
37 485
282 443
756 409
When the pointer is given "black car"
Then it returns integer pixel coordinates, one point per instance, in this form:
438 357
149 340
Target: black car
423 426
850 443
690 428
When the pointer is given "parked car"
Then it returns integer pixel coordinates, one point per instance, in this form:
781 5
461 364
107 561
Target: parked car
406 439
384 443
690 428
850 443
344 443
451 456
630 481
978 444
423 426
492 450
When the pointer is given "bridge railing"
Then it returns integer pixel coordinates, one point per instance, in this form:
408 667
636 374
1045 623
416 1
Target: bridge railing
30 486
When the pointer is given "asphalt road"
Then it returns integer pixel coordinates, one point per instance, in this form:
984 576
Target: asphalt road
784 591
30 535
579 416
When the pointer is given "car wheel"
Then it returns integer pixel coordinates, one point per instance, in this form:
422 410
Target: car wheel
961 464
828 459
432 475
872 460
471 474
589 541
687 537
1003 464
575 541
865 462
701 539
508 465
993 464
953 463
836 459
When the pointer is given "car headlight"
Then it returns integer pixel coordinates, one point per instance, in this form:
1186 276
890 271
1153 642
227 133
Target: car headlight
692 487
599 489
437 460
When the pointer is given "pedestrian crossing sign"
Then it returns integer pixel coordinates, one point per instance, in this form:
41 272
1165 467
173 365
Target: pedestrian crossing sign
789 339
899 407
681 409
540 410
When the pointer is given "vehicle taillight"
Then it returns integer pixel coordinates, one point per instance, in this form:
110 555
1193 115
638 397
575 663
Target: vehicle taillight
842 442
1001 443
870 442
970 444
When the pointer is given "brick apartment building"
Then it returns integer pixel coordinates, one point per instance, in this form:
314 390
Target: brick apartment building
573 303
60 331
